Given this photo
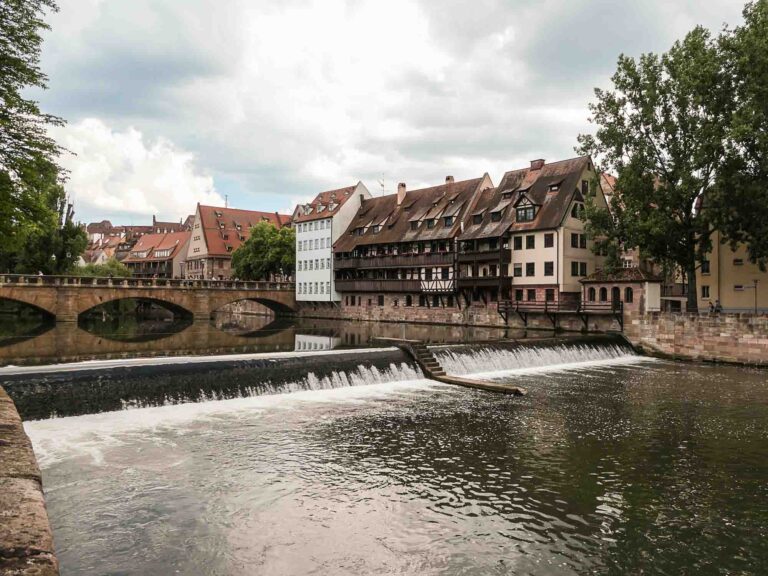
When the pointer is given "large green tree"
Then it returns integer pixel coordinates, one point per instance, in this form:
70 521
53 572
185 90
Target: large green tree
268 252
675 131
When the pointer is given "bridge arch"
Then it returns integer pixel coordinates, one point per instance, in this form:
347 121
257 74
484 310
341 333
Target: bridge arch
273 304
33 303
172 306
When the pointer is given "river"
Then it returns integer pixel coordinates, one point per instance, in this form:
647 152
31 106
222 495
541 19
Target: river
612 464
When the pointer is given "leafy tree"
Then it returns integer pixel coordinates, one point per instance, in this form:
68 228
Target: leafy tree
268 252
111 268
668 130
55 243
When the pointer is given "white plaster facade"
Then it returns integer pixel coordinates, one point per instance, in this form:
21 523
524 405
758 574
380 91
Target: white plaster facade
314 242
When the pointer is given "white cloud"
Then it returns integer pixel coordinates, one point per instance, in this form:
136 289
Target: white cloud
121 173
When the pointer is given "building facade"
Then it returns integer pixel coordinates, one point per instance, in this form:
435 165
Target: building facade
400 249
318 225
727 276
158 255
525 240
216 233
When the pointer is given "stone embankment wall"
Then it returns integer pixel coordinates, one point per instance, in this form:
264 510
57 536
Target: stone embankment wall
26 542
473 315
738 338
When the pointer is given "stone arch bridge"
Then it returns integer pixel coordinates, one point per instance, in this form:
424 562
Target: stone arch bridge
66 297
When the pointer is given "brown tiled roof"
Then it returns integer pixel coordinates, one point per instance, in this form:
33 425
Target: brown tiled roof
534 185
437 202
337 198
99 227
153 243
220 226
621 275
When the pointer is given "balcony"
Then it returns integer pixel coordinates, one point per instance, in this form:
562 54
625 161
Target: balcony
400 261
496 255
484 281
378 285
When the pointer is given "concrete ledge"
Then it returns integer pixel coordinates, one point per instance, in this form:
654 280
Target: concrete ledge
26 541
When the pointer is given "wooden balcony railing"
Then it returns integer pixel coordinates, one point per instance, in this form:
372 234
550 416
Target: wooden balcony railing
399 261
378 285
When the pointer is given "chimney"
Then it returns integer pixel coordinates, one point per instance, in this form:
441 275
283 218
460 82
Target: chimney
449 179
537 164
400 193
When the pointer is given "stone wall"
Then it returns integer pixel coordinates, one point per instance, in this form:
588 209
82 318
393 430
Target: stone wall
739 338
477 314
26 542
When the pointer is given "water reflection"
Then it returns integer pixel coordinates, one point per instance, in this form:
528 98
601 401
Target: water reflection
20 322
100 335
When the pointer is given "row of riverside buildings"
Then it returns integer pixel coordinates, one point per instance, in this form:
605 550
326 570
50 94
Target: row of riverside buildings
458 245
472 244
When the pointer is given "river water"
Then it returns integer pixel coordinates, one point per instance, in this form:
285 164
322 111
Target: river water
612 464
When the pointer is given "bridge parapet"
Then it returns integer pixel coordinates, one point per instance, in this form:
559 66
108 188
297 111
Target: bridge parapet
130 282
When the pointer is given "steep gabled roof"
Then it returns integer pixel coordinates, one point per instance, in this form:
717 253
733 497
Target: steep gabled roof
325 205
535 186
452 199
225 229
153 243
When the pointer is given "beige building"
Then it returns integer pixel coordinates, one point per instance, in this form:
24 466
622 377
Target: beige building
729 276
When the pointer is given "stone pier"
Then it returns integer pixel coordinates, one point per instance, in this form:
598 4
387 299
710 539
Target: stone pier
26 541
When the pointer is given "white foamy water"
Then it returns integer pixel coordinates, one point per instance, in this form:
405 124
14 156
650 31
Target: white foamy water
494 362
57 439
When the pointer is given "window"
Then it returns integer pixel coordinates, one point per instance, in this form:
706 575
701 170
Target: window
496 216
531 294
738 262
517 242
574 240
328 263
448 221
517 270
585 188
603 294
322 288
430 223
380 300
310 264
582 240
738 288
328 287
615 294
376 229
518 295
582 268
408 300
435 301
477 219
415 225
549 240
317 243
574 268
705 291
549 295
705 266
591 294
530 268
530 242
549 268
526 214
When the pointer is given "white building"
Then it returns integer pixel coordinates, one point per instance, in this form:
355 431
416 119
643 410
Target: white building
318 225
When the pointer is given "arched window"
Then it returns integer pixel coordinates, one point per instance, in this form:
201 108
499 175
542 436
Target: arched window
408 300
615 294
591 294
628 294
603 294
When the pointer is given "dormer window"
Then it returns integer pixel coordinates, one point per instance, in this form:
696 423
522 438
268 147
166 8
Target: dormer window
477 219
526 214
218 214
448 221
375 229
320 208
577 211
496 216
415 225
506 196
430 223
554 187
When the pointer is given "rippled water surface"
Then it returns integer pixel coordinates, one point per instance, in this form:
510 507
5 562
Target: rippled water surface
645 468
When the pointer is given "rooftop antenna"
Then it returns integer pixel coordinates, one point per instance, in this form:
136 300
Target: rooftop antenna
381 183
226 200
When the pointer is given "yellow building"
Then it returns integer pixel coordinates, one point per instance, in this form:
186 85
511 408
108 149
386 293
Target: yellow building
729 276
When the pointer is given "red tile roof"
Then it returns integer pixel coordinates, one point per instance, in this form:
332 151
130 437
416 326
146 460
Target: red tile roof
324 201
621 275
225 229
153 243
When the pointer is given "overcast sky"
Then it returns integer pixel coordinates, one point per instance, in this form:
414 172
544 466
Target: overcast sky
171 102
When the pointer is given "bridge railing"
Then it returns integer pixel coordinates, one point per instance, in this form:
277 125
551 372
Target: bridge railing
130 282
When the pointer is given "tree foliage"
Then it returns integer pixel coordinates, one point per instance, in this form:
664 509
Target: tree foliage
111 268
679 131
267 253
